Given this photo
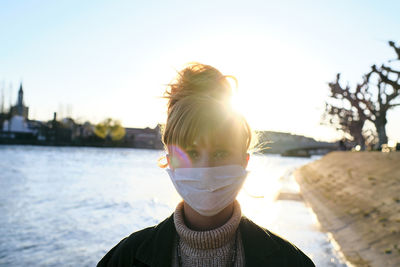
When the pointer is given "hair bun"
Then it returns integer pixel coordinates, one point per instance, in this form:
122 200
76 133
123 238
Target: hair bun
198 80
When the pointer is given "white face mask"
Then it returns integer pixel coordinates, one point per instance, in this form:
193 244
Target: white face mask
208 190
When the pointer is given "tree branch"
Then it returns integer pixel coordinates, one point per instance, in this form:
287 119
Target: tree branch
388 69
396 49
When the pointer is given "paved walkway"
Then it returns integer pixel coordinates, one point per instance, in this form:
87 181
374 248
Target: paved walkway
356 196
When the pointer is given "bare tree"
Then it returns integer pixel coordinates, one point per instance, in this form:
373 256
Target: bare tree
355 106
347 114
387 82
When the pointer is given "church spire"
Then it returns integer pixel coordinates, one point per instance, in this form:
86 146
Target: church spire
20 102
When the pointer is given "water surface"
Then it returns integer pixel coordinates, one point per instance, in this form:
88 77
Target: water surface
64 206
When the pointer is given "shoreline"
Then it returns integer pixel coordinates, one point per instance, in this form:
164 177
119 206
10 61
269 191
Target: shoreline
356 199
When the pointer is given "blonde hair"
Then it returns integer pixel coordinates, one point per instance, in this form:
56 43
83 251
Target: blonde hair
199 105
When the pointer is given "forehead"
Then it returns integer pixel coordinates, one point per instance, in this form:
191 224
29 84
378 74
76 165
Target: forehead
221 138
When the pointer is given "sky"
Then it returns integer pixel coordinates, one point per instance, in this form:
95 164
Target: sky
91 60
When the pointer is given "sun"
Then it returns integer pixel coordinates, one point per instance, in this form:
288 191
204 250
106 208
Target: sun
246 102
238 103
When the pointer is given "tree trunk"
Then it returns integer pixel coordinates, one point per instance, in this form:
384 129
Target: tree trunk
380 125
361 141
358 135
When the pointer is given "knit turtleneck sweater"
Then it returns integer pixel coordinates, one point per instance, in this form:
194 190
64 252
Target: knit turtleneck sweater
208 248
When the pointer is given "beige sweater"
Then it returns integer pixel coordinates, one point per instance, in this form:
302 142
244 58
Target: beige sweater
208 248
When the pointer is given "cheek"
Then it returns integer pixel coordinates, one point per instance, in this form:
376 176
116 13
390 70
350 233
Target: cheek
237 159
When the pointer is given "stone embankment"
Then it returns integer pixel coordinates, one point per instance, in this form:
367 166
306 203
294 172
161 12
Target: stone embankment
356 197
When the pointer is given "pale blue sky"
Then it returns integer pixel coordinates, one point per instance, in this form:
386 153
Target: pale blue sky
98 59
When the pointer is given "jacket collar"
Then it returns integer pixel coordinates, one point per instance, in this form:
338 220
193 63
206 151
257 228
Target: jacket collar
257 243
156 250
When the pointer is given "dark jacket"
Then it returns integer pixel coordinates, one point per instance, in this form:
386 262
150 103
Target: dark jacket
153 247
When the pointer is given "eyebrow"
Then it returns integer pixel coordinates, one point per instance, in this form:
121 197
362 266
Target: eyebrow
221 144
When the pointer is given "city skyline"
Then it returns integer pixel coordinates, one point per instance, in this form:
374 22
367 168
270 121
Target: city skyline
102 60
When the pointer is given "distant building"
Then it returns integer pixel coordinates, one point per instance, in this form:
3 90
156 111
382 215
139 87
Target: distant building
20 109
16 124
16 120
16 128
143 138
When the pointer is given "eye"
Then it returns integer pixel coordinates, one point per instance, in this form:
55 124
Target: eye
221 154
193 154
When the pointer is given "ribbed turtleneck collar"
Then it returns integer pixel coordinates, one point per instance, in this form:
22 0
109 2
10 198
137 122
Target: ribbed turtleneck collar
211 239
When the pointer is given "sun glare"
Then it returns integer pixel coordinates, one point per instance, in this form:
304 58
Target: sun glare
263 94
237 103
244 103
240 101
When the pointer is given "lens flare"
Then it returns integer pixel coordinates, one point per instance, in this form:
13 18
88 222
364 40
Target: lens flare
179 158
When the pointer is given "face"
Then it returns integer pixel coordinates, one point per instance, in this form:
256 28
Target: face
208 152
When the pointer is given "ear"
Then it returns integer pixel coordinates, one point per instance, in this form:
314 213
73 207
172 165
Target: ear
247 160
169 161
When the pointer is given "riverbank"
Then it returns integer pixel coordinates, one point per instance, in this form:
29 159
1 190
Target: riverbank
356 197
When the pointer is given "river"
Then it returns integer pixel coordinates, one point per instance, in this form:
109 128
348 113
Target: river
67 206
